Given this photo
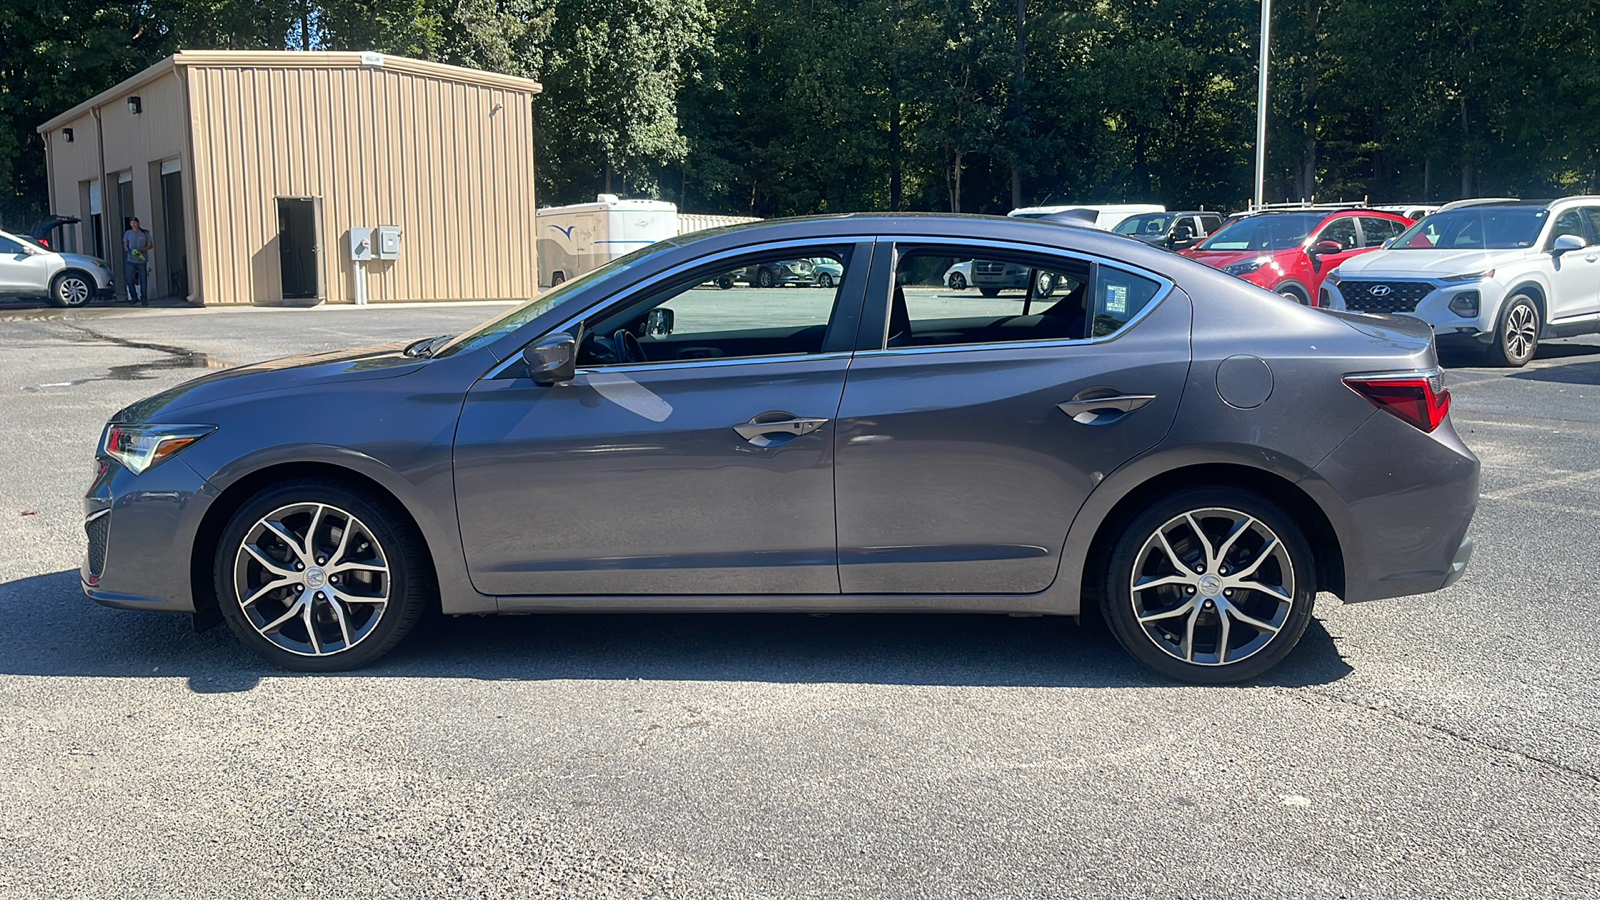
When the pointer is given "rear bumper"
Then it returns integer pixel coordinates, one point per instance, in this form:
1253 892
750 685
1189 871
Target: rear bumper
1400 502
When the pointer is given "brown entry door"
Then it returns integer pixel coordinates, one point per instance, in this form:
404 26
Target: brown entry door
297 247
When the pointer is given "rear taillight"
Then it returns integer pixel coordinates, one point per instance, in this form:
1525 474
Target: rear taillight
1419 398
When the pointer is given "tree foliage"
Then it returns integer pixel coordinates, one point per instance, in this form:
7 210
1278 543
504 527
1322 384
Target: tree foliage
777 107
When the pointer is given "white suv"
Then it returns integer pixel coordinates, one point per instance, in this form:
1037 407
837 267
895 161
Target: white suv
1492 274
65 279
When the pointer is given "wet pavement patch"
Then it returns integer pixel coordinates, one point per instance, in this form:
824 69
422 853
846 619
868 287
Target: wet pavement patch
172 358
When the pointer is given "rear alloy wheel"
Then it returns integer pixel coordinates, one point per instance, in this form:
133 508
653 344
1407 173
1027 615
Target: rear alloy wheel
958 282
764 278
316 577
1517 337
825 280
1210 586
71 289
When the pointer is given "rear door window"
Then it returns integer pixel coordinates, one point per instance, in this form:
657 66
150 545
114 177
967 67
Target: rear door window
1055 298
1376 230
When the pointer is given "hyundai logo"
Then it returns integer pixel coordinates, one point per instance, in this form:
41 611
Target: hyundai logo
1381 290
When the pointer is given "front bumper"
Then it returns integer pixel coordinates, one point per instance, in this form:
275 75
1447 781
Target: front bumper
1434 307
1400 502
141 534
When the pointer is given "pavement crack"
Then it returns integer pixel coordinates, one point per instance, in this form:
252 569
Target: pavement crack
174 358
1589 777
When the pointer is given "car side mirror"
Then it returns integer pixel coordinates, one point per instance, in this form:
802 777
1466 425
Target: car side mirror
552 359
1566 243
658 322
1327 247
1387 244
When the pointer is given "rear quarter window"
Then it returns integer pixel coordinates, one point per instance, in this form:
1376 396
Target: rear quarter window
1119 297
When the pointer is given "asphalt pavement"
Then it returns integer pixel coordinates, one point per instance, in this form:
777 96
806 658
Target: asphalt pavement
1435 746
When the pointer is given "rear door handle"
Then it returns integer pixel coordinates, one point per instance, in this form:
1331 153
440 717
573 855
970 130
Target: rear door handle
1101 406
772 428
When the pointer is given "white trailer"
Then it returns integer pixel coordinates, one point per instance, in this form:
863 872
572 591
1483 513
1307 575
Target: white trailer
585 236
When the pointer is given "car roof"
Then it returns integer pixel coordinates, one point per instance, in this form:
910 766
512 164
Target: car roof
953 227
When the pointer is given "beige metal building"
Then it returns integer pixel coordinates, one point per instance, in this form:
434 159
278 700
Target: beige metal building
257 171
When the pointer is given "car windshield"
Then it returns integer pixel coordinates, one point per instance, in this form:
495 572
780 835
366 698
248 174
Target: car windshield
504 324
1476 228
1270 232
1149 223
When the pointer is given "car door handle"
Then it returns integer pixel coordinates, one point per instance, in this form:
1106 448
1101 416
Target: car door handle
771 427
1101 406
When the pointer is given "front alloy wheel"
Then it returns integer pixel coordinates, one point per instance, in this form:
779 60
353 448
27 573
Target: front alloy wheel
319 578
71 290
1517 338
1214 586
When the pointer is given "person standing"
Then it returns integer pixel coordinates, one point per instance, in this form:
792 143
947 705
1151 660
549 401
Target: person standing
136 248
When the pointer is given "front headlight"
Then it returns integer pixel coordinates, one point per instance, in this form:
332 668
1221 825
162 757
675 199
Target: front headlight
1334 279
138 447
1246 267
1471 276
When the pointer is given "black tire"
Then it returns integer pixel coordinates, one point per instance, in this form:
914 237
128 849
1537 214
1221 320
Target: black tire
725 282
557 278
1516 336
378 533
1045 285
825 280
958 282
764 278
989 291
71 289
1159 641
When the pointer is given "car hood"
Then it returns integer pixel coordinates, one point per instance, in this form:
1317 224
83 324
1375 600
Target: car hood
311 372
83 260
1426 263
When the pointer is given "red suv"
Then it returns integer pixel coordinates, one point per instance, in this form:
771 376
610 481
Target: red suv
1291 251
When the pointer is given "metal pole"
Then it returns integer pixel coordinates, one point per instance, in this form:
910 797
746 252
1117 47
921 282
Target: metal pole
1261 104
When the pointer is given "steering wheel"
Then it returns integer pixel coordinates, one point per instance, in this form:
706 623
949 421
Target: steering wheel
627 347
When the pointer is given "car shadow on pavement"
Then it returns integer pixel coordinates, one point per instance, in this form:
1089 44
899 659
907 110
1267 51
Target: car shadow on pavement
1458 358
1571 373
53 630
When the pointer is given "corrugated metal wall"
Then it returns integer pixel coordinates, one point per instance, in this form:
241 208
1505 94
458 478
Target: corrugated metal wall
451 164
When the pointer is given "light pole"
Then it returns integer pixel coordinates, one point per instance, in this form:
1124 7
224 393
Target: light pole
1261 104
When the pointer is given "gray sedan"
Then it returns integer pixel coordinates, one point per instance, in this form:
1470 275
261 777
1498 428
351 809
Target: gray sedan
1195 456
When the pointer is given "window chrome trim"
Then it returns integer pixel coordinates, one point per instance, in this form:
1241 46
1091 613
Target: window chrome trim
1165 287
710 362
